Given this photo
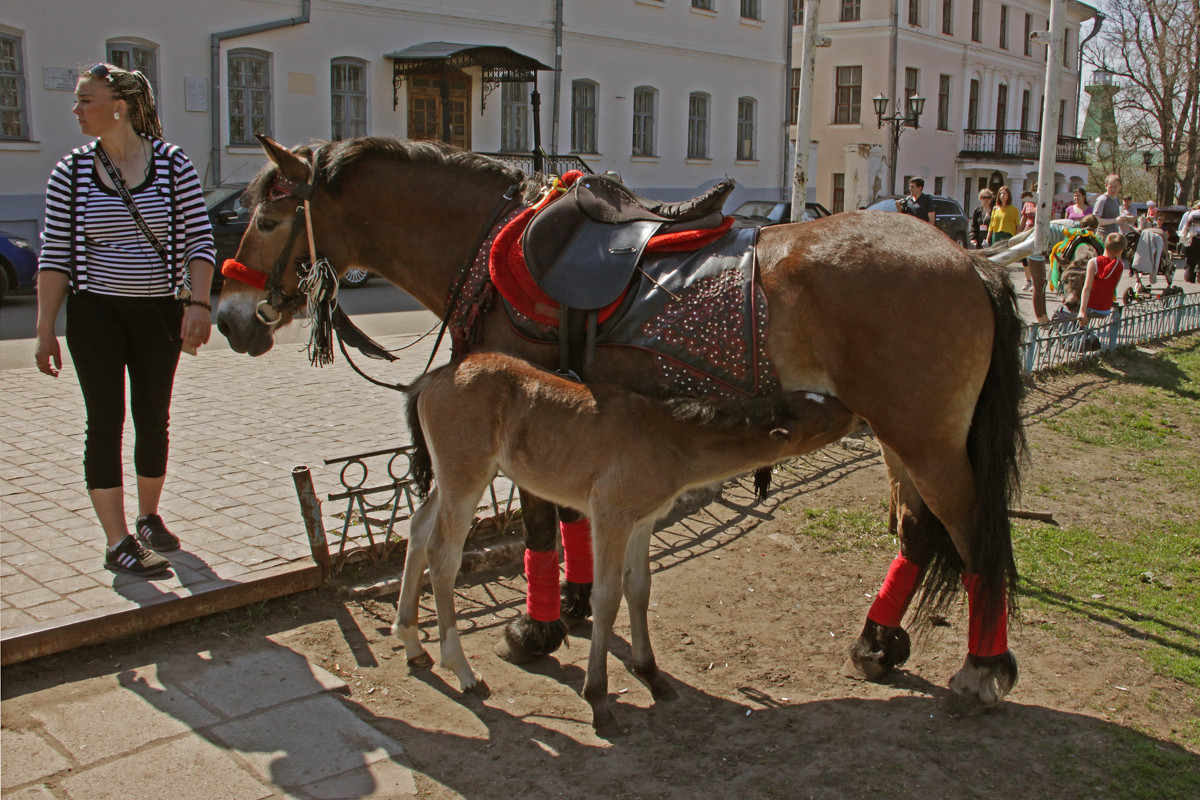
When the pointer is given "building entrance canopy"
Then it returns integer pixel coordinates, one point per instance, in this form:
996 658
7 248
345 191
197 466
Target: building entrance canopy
499 64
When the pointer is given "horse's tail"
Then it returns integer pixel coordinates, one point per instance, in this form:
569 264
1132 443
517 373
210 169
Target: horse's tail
995 448
420 463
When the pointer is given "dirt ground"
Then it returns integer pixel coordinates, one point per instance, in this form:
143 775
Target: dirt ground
751 621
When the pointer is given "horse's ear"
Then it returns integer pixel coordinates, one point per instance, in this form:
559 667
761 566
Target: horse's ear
289 164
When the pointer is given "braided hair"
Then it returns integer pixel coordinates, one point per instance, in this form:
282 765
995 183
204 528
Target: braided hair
134 88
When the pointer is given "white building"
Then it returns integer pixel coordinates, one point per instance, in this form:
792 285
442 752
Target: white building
982 80
671 94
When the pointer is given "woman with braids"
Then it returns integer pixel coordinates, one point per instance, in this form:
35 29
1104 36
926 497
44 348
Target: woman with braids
126 229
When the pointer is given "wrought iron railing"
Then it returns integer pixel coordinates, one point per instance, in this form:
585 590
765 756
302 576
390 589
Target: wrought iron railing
1024 145
551 165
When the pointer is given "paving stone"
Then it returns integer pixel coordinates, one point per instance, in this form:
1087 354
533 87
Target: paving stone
53 571
341 742
188 769
62 607
382 779
240 683
38 792
30 598
27 757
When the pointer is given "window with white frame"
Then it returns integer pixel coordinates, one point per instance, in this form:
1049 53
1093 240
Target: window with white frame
976 19
745 129
249 95
14 116
707 5
1028 49
943 119
644 101
851 11
583 117
973 106
948 17
914 12
348 98
697 125
514 117
138 57
751 9
848 95
838 202
797 12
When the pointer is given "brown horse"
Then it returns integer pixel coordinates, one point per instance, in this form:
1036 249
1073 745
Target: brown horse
913 334
618 456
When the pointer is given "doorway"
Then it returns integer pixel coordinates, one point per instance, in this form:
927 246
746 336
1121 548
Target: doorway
425 106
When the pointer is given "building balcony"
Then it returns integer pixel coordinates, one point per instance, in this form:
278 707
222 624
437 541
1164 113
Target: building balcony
1019 146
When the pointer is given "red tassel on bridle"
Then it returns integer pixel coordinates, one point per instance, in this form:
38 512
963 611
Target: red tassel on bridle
240 272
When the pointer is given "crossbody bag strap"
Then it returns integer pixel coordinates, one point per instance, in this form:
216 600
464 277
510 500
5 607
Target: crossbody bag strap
123 191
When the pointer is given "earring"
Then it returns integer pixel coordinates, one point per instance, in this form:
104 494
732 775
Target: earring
116 115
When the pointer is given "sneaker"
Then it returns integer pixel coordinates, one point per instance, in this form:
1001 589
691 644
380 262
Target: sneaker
1028 286
131 558
154 534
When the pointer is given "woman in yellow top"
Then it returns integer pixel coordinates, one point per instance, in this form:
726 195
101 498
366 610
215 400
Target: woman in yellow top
1004 218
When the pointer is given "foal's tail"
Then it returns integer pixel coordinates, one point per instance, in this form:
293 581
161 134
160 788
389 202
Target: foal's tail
995 448
420 462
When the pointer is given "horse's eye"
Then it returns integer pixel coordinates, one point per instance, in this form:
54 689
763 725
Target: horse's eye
264 224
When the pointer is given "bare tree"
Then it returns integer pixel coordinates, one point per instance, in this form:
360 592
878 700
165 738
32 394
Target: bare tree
1153 47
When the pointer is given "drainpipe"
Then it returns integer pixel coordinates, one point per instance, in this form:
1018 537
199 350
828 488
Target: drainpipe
896 102
808 60
787 100
556 106
214 76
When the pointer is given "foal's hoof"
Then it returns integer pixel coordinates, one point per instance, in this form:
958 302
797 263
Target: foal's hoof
526 639
980 685
575 602
877 652
478 689
420 662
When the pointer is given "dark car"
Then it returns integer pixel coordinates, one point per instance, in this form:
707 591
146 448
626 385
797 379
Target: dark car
757 213
1170 216
230 218
18 264
950 217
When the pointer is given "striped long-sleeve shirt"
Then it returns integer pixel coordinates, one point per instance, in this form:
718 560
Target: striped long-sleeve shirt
91 236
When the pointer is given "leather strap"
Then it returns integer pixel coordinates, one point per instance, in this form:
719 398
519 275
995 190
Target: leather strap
123 191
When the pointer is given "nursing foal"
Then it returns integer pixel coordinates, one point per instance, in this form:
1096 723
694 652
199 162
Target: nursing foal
619 457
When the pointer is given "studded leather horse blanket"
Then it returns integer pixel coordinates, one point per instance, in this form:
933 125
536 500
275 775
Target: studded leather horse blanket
700 313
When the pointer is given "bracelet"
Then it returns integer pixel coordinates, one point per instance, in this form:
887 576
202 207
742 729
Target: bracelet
200 303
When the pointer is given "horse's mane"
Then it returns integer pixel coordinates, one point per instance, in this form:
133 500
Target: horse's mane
333 161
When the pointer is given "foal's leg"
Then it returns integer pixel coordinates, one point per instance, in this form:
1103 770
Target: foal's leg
609 538
538 631
415 559
637 598
576 589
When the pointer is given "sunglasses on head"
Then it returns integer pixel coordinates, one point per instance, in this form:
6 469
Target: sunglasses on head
99 71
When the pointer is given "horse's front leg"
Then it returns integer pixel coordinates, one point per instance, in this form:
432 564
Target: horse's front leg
990 669
637 598
421 528
539 630
445 548
576 592
608 547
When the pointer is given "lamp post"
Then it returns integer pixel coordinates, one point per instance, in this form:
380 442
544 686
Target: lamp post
1148 160
897 121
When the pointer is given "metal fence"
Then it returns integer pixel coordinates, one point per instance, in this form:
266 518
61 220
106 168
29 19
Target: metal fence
1057 344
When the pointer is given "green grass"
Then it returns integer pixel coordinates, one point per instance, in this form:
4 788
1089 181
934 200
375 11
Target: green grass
841 530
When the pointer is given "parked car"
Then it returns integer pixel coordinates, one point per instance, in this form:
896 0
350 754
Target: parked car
1170 216
18 264
950 217
757 213
230 217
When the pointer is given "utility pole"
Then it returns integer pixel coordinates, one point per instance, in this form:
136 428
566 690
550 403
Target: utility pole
808 58
1048 154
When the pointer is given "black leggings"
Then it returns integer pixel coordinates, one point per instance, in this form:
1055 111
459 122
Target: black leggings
108 336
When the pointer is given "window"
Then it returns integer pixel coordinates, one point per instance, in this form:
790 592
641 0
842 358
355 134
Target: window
848 98
851 10
347 98
643 121
583 117
1028 30
976 14
839 192
797 12
938 184
794 97
751 10
948 17
1003 27
914 12
1025 98
1062 116
249 95
1067 47
697 125
745 129
911 80
514 117
1001 109
973 107
137 57
14 119
707 5
943 121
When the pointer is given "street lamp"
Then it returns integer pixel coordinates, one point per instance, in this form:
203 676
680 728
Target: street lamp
897 121
1148 160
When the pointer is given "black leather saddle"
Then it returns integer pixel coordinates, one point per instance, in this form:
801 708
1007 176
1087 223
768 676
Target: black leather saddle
583 248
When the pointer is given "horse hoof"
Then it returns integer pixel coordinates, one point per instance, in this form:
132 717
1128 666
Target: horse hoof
604 722
478 689
575 602
980 685
863 670
877 652
421 661
526 639
662 691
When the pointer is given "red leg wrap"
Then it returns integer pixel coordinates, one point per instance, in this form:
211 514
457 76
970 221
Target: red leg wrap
541 588
898 589
986 636
577 550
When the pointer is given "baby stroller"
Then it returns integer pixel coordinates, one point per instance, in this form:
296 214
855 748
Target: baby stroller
1151 257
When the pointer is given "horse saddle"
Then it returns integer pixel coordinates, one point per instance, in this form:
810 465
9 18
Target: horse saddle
582 249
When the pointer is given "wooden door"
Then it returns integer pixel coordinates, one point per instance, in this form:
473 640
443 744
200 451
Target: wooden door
425 107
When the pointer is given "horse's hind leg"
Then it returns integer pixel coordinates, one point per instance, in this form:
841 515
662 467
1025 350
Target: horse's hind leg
609 540
538 631
637 597
415 559
883 644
